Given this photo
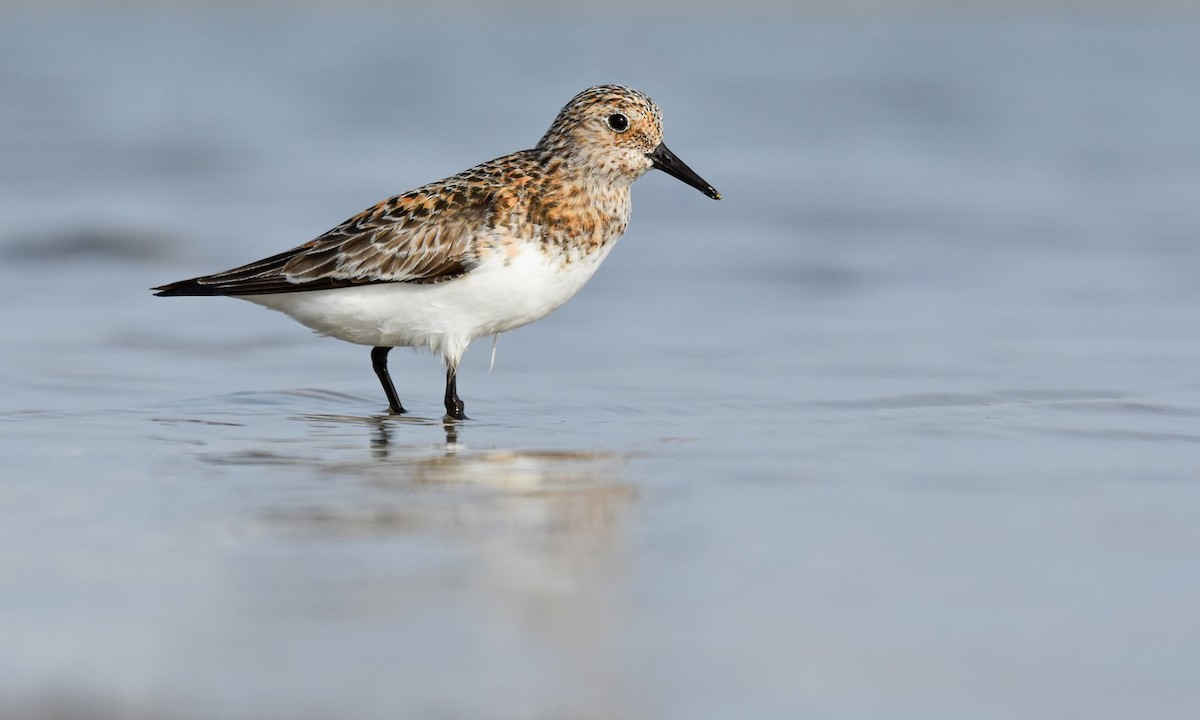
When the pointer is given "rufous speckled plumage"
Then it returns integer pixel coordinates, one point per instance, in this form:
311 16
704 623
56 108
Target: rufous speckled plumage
488 250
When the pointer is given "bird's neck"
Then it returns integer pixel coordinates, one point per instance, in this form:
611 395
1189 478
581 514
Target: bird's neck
581 207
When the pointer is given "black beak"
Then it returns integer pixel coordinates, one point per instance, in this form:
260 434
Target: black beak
666 161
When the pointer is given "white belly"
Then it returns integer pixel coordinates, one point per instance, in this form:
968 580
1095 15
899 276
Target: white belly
445 317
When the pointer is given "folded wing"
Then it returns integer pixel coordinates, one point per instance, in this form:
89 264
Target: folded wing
423 236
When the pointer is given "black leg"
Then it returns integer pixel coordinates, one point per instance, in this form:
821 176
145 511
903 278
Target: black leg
454 406
379 362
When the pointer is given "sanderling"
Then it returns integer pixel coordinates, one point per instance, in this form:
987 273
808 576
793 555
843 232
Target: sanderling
488 250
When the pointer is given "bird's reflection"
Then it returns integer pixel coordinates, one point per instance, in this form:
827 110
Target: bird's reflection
381 438
532 541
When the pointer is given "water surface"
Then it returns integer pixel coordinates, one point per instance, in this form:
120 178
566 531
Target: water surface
904 427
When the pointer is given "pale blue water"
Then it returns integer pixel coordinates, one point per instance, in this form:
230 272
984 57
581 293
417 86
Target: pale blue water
904 427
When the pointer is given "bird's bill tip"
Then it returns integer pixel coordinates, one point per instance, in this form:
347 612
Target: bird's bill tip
665 160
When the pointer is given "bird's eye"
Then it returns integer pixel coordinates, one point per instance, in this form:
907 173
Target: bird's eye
618 122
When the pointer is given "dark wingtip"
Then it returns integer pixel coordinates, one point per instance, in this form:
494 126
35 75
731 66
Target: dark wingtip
183 288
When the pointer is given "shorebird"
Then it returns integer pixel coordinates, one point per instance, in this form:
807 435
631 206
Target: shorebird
478 253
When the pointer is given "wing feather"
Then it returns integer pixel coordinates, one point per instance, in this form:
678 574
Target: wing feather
427 235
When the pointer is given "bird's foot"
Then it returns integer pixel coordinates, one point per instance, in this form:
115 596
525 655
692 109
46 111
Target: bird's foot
456 410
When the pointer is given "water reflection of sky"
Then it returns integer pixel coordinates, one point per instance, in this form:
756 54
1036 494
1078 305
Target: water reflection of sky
901 427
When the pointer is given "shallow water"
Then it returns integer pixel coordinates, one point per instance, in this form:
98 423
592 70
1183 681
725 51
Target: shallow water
904 427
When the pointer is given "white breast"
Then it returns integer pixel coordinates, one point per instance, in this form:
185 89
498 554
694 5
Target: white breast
500 294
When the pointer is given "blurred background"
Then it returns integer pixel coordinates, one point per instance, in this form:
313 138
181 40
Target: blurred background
904 427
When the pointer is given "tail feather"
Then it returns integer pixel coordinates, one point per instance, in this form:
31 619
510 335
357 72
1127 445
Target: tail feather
262 276
186 287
